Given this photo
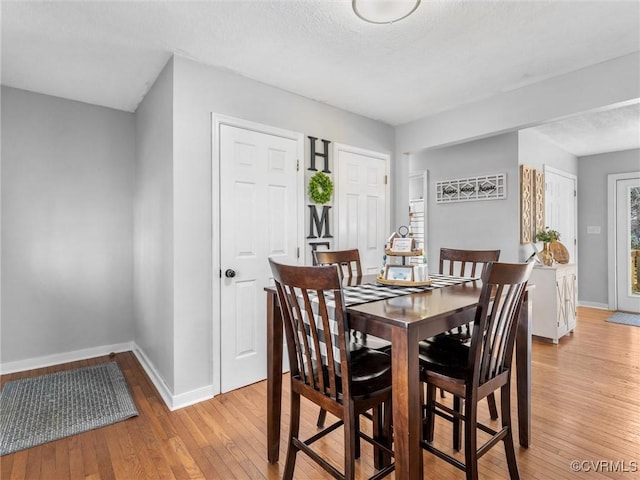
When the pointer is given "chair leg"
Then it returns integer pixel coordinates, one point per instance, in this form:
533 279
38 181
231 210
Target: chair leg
322 415
350 429
382 434
356 451
457 431
493 410
378 423
509 450
387 431
294 430
470 438
429 423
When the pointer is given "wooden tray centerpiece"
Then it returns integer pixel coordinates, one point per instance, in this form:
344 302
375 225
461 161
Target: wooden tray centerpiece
403 283
403 274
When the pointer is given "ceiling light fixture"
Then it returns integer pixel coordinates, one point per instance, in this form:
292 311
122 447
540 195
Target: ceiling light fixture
384 11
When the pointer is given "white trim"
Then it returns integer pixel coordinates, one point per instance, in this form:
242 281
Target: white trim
598 305
154 376
58 358
386 157
173 402
424 176
612 189
216 121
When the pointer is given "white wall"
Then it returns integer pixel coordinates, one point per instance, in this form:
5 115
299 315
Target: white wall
592 211
153 231
480 225
67 224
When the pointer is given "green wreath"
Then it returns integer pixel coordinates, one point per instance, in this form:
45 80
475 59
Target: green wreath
320 188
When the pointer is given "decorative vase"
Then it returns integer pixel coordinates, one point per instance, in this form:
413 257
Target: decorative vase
546 255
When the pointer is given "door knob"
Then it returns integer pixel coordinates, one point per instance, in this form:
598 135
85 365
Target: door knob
230 273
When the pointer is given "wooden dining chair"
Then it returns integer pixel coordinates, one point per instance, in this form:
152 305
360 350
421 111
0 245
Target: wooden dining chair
347 261
348 265
342 378
465 263
473 372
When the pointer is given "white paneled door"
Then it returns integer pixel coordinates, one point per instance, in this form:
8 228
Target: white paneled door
561 207
259 216
362 206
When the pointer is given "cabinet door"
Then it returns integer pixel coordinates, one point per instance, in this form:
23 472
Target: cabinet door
561 304
570 299
566 300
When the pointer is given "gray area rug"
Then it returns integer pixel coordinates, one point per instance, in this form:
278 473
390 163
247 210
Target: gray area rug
625 318
46 408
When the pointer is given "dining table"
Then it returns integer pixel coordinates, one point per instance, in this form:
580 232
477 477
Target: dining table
404 321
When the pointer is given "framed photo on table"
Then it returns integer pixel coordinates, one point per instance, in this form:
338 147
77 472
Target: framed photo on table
402 245
399 272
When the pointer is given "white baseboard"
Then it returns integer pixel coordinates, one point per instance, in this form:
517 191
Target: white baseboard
154 376
48 360
173 402
600 306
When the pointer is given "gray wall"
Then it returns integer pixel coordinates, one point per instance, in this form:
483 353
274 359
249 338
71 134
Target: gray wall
536 151
592 211
153 231
74 178
199 91
67 224
601 85
487 224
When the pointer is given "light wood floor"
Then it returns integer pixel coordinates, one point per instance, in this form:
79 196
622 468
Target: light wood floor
586 408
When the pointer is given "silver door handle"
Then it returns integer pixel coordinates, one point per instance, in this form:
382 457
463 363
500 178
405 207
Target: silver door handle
230 273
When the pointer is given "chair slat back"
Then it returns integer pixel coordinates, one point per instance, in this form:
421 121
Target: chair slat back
347 261
466 263
311 300
494 333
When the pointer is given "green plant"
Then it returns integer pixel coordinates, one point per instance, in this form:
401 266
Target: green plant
547 235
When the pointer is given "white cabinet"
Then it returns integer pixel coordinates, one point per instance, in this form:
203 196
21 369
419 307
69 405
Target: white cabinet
554 300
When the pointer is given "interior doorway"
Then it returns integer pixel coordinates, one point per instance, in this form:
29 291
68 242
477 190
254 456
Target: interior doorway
624 242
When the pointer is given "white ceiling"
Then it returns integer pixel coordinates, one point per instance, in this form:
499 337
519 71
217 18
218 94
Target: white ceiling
446 54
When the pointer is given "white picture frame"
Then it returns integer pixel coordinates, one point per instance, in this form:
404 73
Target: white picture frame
402 245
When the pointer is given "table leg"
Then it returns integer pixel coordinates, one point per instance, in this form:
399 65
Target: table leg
274 377
407 415
523 371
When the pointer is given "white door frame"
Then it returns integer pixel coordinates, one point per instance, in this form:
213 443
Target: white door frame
337 147
612 190
217 121
422 175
